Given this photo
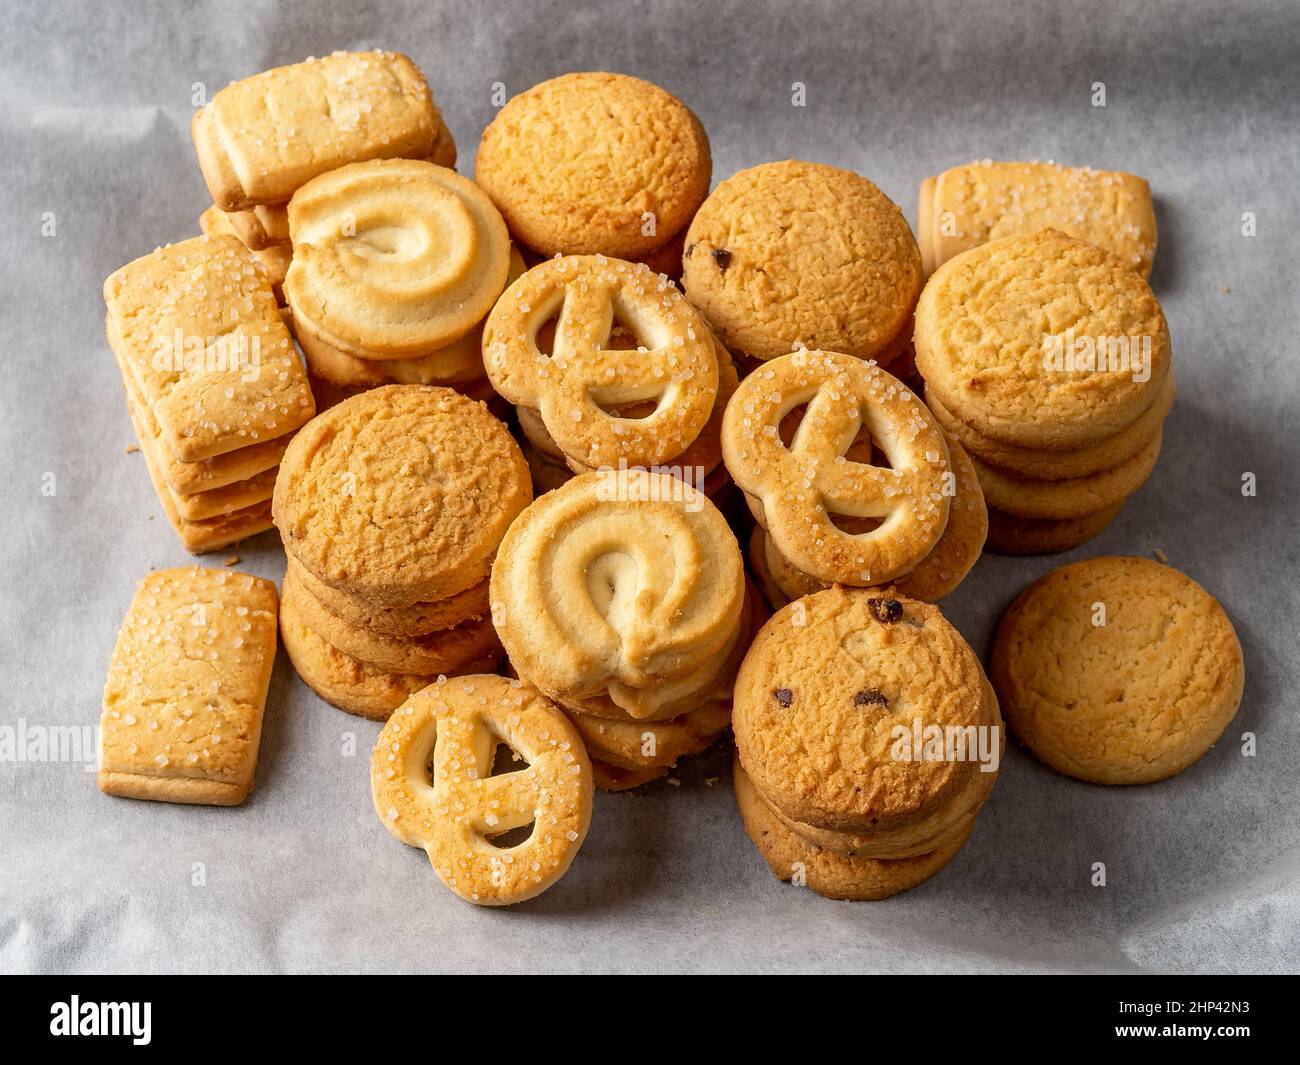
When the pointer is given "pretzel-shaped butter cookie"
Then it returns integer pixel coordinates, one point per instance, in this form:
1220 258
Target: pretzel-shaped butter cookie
394 258
575 386
621 576
800 486
457 725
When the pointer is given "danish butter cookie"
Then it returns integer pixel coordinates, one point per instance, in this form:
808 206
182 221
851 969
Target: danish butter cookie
795 253
261 139
994 324
274 260
593 163
1012 535
400 495
616 778
625 576
198 327
644 745
804 485
1117 670
393 259
187 686
823 692
433 786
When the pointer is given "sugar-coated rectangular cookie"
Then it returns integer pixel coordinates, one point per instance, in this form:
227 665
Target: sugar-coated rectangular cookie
186 689
274 259
259 139
973 204
198 326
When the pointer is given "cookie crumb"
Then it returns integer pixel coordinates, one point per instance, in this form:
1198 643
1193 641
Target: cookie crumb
131 449
1159 555
784 696
710 781
1226 289
722 257
885 611
233 560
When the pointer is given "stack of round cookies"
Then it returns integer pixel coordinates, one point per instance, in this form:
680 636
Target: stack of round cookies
396 264
597 163
1049 359
391 506
850 479
796 254
621 595
610 367
867 741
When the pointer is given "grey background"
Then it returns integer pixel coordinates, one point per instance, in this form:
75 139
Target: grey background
1202 870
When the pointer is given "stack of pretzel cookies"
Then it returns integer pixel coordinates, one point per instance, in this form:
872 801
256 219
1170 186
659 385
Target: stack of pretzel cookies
498 467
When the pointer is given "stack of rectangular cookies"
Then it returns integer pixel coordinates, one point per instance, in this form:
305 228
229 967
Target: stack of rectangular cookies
263 137
214 385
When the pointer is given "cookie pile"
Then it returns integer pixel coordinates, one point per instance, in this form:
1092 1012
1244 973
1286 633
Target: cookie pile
867 741
597 163
850 480
1049 360
213 384
621 596
396 263
391 506
259 139
609 366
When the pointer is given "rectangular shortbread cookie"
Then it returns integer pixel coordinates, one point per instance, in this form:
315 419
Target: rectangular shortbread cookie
274 260
259 139
262 226
186 690
198 327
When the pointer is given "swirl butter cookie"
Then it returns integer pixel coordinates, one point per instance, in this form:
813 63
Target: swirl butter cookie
1117 670
994 324
393 259
803 486
793 253
594 163
585 375
626 576
826 691
433 787
400 495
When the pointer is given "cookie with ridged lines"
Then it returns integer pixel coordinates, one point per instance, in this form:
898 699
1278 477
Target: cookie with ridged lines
400 495
822 692
575 164
1028 497
991 320
795 253
1117 670
832 873
1058 465
645 745
1010 535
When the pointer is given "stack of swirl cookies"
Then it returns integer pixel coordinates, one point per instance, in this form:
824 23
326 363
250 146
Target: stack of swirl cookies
260 139
391 506
1049 359
621 595
609 366
396 263
867 741
850 479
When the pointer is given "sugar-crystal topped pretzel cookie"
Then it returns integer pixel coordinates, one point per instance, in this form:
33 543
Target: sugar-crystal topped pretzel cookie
803 484
584 376
455 728
618 576
393 258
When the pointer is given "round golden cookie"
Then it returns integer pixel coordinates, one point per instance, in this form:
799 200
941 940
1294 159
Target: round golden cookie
578 162
1117 670
804 484
400 495
343 681
444 651
832 873
988 323
617 778
795 253
1026 497
645 745
624 576
418 619
393 258
459 362
1010 535
586 375
1058 465
828 687
432 781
